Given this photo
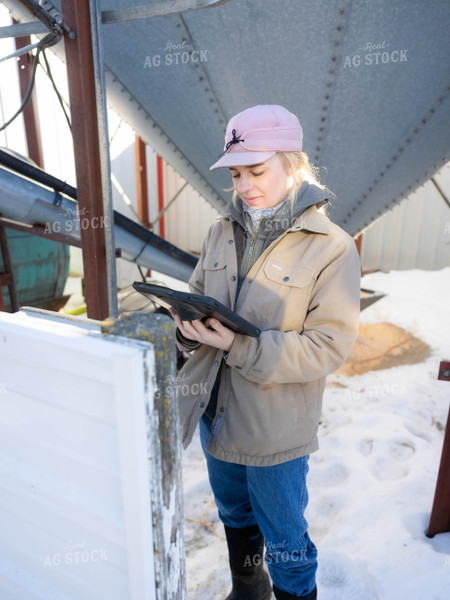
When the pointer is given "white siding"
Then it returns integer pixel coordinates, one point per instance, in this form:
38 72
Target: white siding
189 218
75 497
415 234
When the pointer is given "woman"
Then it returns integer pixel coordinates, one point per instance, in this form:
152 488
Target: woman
278 261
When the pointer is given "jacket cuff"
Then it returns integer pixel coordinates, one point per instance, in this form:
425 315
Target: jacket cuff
242 352
186 343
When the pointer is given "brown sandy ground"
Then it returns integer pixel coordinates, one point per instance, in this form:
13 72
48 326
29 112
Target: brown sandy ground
381 346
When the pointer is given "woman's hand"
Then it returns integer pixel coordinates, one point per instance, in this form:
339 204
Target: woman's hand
211 332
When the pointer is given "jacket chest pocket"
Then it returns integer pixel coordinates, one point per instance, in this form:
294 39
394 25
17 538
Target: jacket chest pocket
214 266
288 275
214 261
286 294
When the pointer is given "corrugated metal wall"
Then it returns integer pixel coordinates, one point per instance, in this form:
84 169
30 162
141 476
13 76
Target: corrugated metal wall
188 219
413 235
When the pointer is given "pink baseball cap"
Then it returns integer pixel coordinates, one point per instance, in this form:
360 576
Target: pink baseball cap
255 134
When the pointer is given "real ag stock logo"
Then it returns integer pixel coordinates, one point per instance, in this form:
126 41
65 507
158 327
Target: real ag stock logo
175 54
375 54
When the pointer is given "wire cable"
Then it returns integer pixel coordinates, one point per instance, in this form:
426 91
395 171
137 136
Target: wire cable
28 94
47 41
21 51
49 74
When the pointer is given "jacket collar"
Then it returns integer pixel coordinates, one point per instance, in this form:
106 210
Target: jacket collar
312 220
306 215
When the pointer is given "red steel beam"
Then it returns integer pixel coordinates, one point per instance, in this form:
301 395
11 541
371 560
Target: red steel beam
30 112
141 180
80 70
160 170
440 512
358 242
39 230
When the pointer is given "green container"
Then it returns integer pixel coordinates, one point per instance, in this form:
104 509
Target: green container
40 269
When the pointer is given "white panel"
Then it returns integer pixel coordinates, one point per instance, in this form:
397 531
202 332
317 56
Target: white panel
131 418
415 234
75 499
190 216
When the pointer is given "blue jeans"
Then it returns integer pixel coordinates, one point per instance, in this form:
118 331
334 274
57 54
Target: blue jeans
275 498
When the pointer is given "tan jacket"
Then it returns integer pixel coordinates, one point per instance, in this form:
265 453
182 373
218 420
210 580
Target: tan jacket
304 294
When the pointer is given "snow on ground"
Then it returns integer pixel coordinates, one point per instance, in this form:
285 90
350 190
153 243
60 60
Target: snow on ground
372 483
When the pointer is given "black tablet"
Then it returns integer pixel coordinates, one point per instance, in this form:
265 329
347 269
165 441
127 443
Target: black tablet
194 306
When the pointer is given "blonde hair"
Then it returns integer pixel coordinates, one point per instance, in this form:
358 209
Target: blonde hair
297 165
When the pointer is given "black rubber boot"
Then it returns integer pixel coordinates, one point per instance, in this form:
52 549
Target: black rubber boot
280 595
246 551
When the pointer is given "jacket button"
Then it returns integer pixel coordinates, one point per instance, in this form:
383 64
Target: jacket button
285 278
250 280
227 218
221 409
216 363
202 404
233 278
238 367
216 264
230 241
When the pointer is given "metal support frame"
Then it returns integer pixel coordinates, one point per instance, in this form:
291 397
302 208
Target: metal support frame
160 172
39 231
20 29
440 513
141 180
169 204
49 15
30 112
160 9
441 192
105 163
89 129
